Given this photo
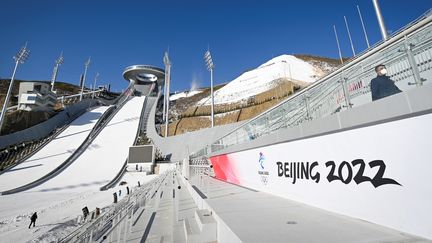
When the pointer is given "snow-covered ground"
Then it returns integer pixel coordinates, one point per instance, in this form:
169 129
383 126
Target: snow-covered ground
60 200
184 94
262 79
53 154
57 211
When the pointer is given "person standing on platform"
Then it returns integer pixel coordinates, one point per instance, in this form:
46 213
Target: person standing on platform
382 86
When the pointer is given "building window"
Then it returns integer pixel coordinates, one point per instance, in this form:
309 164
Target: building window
38 88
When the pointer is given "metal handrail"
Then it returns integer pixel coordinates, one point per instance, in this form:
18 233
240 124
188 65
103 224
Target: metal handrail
77 95
85 232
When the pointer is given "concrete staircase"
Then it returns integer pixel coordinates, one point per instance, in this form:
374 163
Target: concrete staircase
200 228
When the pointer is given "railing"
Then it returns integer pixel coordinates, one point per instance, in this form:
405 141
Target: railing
65 99
117 215
407 54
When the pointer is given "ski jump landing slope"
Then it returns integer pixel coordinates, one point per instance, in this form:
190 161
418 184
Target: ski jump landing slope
53 154
105 156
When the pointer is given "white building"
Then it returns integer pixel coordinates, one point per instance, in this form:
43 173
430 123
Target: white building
36 96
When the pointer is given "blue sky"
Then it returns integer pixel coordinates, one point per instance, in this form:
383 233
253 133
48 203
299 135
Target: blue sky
241 34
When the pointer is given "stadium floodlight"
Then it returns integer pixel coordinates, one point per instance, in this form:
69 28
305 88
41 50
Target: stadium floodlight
86 65
380 20
19 58
58 62
167 63
94 85
210 66
349 35
363 26
337 42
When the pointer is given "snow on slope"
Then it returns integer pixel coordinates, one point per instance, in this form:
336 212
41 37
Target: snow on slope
261 79
104 157
53 154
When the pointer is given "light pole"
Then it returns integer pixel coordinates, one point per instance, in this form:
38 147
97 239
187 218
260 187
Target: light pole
349 35
167 63
19 58
58 62
380 20
338 46
363 26
86 64
94 85
210 66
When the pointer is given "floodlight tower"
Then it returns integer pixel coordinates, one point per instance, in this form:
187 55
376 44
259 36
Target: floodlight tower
19 58
58 62
210 66
338 46
363 26
167 63
380 20
349 35
94 85
86 65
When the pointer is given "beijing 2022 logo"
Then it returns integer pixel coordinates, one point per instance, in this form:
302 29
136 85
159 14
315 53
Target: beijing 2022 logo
264 175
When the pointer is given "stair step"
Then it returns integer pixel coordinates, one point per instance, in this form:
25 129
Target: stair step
179 233
191 230
207 225
204 217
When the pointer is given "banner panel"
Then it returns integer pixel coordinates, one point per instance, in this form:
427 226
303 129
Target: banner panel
380 173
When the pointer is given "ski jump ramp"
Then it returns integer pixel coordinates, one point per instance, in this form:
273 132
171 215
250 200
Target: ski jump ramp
53 154
105 156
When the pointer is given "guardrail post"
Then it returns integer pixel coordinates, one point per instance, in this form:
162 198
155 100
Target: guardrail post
119 229
347 97
126 222
418 80
306 101
110 233
91 235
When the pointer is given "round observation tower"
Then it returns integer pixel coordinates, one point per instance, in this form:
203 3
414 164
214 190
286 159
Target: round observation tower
147 79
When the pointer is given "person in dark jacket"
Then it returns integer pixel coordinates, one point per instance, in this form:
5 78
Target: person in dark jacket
382 86
33 220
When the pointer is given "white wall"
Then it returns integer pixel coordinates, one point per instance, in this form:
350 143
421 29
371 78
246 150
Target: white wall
403 146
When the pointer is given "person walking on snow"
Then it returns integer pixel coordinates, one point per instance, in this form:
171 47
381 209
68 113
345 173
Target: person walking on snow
33 220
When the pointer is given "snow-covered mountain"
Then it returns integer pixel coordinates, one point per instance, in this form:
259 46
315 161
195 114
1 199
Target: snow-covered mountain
263 78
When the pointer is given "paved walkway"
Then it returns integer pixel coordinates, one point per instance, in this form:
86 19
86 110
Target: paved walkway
250 215
261 217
